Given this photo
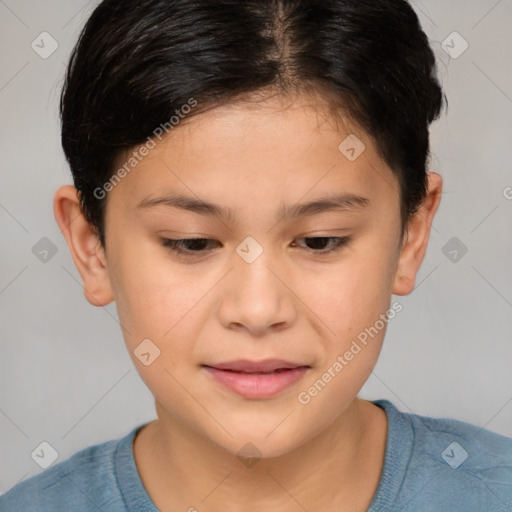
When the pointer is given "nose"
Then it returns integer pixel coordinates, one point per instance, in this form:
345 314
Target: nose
257 297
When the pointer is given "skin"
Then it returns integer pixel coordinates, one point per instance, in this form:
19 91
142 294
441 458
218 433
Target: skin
290 303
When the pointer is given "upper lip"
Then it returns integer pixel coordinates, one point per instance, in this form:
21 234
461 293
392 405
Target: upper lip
244 365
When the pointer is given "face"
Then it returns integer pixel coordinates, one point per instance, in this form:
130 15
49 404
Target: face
300 287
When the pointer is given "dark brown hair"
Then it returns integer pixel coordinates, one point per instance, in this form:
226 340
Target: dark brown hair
137 62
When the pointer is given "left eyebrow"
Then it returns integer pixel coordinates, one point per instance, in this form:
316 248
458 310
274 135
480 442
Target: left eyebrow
343 202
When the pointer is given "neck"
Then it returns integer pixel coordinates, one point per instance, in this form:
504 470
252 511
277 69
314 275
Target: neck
341 465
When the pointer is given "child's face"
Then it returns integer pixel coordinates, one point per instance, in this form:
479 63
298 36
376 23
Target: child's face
290 303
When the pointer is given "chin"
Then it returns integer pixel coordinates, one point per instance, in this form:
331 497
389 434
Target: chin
253 443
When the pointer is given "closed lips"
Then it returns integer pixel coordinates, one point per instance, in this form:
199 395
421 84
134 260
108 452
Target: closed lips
278 370
257 380
268 366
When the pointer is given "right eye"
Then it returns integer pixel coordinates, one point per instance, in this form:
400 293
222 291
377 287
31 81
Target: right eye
187 246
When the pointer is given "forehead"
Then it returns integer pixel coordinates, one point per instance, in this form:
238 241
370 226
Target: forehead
264 151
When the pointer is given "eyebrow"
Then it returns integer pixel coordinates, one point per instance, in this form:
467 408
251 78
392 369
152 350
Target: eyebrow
340 202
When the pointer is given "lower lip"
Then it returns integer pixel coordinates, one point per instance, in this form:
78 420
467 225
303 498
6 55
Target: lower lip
257 385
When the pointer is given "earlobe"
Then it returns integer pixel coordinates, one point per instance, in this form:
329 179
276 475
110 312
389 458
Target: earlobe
416 238
84 245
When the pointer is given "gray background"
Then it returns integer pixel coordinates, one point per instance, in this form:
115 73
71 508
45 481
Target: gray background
65 375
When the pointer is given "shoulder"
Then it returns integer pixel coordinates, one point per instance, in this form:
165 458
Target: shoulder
83 482
454 444
453 464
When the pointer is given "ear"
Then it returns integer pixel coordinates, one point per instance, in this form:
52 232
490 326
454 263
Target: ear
416 237
84 245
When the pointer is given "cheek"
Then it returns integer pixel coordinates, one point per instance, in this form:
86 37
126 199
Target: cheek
353 300
158 301
144 285
159 307
351 294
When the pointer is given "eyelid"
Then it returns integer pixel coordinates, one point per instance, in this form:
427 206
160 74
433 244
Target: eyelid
174 245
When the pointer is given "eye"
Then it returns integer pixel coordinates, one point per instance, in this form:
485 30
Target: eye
186 246
318 243
197 246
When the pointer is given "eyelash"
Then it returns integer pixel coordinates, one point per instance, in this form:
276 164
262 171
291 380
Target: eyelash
176 245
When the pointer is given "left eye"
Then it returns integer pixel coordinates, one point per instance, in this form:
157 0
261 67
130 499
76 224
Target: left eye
337 243
195 246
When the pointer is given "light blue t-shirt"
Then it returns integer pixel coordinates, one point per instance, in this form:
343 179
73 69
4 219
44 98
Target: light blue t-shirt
431 465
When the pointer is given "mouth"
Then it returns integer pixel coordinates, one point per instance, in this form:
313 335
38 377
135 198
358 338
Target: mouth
246 366
257 380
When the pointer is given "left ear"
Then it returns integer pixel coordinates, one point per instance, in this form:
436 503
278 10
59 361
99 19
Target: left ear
416 237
